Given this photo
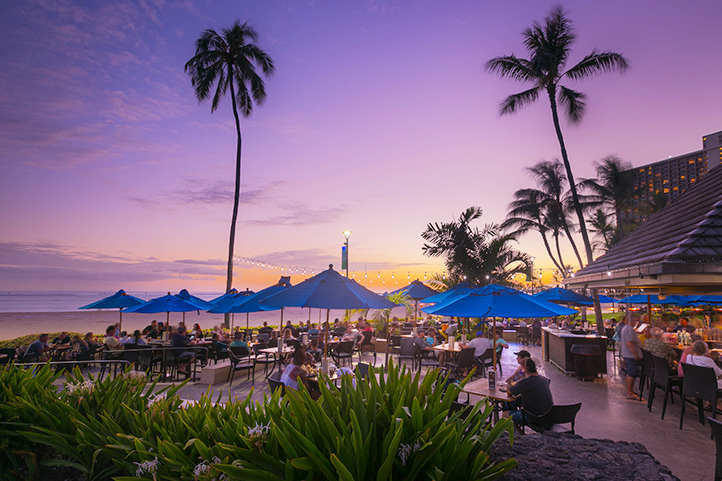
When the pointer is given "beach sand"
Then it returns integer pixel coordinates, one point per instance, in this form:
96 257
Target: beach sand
16 324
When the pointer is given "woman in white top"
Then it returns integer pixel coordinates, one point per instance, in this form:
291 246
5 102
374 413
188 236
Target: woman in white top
699 357
293 371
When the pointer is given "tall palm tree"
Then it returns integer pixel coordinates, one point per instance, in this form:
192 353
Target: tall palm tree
225 62
612 189
478 256
527 213
549 46
550 179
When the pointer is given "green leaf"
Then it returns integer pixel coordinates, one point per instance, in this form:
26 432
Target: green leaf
343 473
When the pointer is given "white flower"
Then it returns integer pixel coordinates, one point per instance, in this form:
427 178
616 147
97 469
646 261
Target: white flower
154 398
146 467
417 446
200 469
259 430
404 452
81 389
136 375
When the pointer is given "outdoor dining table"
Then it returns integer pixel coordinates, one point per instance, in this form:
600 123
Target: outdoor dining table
480 387
447 348
278 359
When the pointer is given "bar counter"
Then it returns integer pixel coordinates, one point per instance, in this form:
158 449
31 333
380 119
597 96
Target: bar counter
557 345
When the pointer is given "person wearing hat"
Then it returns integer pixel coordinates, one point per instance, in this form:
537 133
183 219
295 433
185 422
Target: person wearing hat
480 344
518 375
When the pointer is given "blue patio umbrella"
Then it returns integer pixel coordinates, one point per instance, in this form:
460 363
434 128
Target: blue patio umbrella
167 304
497 301
329 290
120 300
232 292
560 295
607 300
202 304
651 299
706 299
252 302
457 290
228 298
417 291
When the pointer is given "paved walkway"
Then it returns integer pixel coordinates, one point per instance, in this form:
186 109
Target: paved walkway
605 414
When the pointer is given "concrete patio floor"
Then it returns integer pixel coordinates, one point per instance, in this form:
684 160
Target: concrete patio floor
606 414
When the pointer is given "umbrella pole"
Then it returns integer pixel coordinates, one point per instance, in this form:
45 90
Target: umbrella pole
120 323
184 318
247 321
493 342
388 342
649 310
325 343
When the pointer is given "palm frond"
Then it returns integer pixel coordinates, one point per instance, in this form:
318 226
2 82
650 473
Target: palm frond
514 102
573 103
597 62
510 66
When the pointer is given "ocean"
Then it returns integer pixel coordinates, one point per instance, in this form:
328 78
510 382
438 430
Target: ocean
56 301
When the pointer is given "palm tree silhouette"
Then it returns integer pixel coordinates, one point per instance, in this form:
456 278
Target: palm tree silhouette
229 62
612 189
549 46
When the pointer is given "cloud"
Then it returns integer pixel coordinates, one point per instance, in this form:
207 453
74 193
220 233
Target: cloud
39 266
298 214
208 192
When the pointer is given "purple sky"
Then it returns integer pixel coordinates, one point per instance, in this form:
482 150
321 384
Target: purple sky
380 119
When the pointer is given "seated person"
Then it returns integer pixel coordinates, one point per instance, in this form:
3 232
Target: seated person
536 397
683 326
38 349
90 340
658 347
152 329
273 340
314 350
700 357
265 329
197 332
293 373
518 375
499 343
111 340
221 335
78 349
63 338
238 340
420 341
480 344
352 335
313 330
180 339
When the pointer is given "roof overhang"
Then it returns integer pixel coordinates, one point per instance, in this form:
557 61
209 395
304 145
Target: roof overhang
665 277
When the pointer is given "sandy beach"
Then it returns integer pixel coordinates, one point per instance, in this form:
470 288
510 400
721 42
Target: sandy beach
16 324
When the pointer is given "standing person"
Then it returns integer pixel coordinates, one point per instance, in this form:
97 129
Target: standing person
631 349
536 397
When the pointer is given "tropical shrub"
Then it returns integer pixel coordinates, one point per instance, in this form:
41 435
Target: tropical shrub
394 427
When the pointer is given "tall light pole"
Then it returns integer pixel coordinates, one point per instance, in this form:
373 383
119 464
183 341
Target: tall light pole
344 252
531 277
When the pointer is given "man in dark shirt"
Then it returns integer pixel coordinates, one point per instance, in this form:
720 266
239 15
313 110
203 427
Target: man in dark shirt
38 349
536 397
180 339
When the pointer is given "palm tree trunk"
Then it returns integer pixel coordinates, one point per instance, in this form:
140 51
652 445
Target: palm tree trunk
574 245
559 253
551 91
236 197
549 251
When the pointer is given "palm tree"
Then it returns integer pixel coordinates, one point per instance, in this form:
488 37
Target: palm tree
612 189
223 62
550 179
549 46
601 225
478 256
526 213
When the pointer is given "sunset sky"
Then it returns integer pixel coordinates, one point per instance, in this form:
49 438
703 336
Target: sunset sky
380 118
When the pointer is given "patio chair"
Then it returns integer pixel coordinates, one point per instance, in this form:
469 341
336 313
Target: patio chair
464 362
522 335
407 351
646 374
395 344
262 358
241 361
274 383
661 378
424 358
486 360
362 369
558 414
699 383
536 333
365 344
10 352
343 352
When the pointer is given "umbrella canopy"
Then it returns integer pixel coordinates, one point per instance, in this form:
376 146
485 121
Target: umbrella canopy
459 289
417 290
654 299
167 304
497 301
706 299
606 299
252 302
329 290
559 295
200 303
120 300
231 292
